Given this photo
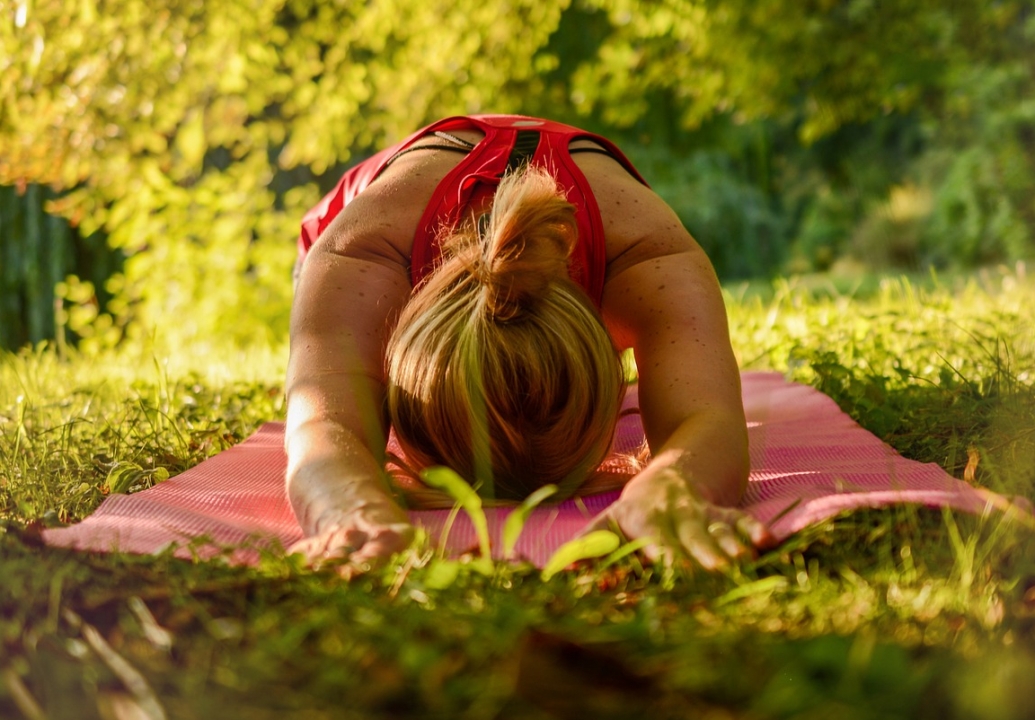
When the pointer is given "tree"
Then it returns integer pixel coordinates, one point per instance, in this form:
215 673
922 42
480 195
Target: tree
179 126
195 133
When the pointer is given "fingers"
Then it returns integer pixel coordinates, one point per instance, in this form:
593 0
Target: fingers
700 544
334 544
353 550
729 534
710 536
726 538
756 531
384 544
314 548
654 552
743 526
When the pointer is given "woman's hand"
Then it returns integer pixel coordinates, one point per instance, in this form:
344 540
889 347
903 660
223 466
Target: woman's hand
367 532
660 504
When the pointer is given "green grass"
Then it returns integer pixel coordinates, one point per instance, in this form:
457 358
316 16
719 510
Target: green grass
880 614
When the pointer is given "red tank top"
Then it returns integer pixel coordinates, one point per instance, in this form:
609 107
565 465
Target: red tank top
509 141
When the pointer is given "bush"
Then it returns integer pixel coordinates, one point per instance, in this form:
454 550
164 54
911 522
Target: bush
731 217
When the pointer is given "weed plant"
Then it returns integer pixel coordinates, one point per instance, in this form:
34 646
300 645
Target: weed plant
898 613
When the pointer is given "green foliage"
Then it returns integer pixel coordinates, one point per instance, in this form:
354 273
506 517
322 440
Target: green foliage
835 63
592 545
983 175
893 613
731 217
787 135
182 136
59 458
924 365
465 496
194 135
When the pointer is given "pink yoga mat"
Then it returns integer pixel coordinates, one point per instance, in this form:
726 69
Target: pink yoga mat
809 462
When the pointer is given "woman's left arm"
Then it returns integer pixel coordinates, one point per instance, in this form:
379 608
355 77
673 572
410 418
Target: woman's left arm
663 299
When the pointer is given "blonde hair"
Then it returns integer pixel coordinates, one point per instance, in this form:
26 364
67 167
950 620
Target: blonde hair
499 366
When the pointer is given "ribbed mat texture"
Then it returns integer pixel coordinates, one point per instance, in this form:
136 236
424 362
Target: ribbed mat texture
809 462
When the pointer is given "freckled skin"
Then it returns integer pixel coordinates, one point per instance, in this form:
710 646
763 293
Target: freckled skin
356 280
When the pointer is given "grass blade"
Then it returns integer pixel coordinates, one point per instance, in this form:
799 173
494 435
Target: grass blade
515 522
590 545
445 479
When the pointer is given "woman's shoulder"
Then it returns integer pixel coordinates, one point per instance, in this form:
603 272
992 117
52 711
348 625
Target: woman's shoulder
382 220
638 225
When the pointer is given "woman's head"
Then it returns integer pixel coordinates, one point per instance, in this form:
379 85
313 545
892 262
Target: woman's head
499 367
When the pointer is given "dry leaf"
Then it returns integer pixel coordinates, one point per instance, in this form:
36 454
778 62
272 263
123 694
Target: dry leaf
973 457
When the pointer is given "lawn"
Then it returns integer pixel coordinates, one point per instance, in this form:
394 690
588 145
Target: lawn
899 613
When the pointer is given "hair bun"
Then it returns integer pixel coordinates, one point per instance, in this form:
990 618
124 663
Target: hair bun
529 238
499 366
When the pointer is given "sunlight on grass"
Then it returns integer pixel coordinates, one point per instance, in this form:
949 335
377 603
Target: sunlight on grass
880 611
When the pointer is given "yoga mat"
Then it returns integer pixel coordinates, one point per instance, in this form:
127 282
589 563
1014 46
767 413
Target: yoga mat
809 462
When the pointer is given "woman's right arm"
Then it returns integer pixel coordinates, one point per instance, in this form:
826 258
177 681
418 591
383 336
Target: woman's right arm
352 286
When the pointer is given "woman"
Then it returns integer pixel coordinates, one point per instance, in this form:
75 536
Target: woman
487 317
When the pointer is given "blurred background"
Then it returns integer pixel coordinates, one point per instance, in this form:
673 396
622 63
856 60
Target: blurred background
156 157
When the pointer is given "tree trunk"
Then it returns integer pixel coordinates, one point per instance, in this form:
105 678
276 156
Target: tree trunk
37 251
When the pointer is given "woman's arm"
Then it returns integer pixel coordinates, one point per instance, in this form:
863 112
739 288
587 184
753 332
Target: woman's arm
352 285
662 299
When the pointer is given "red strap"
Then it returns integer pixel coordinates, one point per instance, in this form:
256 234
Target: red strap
475 178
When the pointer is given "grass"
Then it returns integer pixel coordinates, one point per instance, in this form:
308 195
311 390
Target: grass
897 613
